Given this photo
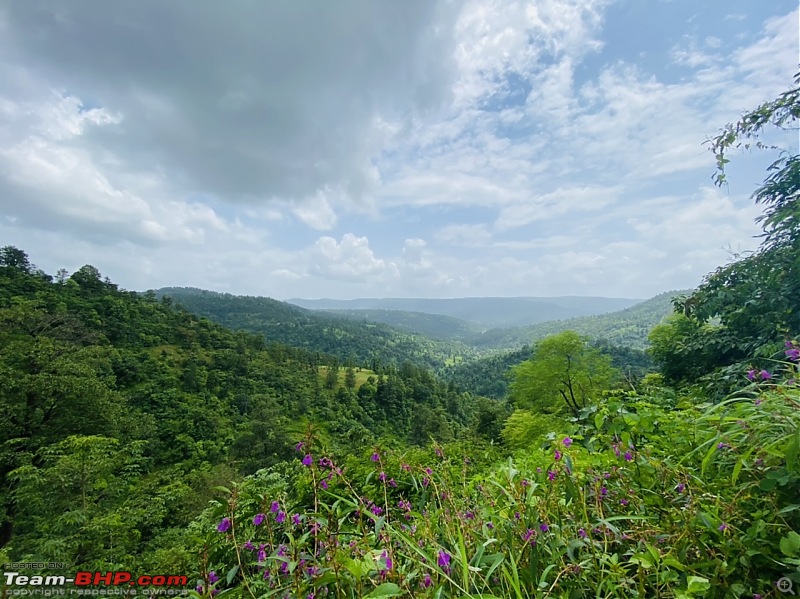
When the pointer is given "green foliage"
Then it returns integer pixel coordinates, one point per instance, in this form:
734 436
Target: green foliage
563 375
120 413
649 498
753 302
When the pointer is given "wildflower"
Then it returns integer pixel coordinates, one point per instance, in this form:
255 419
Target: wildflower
757 402
405 467
214 592
258 519
444 560
426 581
280 518
325 463
262 553
567 441
428 471
551 475
751 375
377 510
582 533
765 375
392 483
274 507
296 519
793 354
543 527
308 460
425 481
623 502
324 484
376 457
525 482
382 476
628 456
723 527
721 445
387 560
680 487
616 449
557 455
224 525
439 452
489 525
199 589
299 446
603 491
528 534
249 546
212 577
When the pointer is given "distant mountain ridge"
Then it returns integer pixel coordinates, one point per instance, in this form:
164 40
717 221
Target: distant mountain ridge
487 311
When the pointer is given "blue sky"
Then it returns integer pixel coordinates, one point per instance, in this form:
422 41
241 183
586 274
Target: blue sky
375 149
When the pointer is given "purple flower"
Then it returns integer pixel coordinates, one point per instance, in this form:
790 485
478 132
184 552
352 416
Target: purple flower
214 592
387 560
280 518
765 375
262 553
308 460
557 455
680 487
528 534
426 581
623 502
199 589
489 526
425 481
582 533
324 484
567 441
382 476
628 456
392 483
723 527
296 519
525 482
444 560
603 491
274 507
751 375
543 527
376 457
793 354
439 452
721 445
258 519
249 546
299 446
757 401
224 525
212 577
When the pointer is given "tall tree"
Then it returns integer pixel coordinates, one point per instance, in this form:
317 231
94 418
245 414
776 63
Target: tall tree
564 374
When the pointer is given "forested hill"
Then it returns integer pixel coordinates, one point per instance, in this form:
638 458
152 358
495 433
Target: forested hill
364 343
628 327
120 413
435 326
486 311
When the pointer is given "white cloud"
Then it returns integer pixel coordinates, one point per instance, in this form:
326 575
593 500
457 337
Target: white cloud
349 259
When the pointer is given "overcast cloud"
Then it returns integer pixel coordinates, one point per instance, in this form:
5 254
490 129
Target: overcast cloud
363 148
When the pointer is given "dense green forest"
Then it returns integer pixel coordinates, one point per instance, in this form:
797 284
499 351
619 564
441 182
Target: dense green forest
629 327
370 344
139 436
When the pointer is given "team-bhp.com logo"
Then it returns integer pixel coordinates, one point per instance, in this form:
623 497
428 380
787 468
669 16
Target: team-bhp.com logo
95 579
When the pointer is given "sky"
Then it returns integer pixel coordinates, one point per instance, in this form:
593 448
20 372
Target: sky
365 148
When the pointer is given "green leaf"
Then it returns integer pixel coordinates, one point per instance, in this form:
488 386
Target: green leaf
790 544
231 573
387 589
698 584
